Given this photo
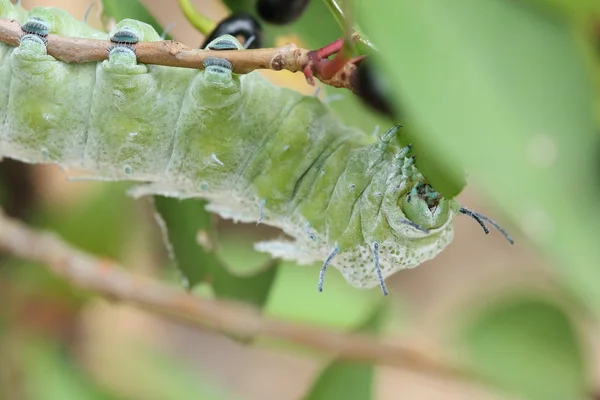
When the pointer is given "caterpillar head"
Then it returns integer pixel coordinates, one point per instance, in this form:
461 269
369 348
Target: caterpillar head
401 226
401 221
414 210
424 208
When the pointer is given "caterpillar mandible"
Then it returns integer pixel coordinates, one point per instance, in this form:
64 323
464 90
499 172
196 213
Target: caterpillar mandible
254 150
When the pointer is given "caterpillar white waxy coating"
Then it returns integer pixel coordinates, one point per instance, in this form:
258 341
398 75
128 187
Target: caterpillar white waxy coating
247 146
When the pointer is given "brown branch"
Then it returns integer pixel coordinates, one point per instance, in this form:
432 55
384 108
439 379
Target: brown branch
174 54
110 280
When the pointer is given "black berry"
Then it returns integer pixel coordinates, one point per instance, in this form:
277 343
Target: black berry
280 12
238 24
369 87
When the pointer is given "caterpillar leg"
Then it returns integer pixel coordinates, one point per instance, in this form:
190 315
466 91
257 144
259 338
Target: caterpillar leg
135 110
377 269
310 235
261 211
334 253
48 101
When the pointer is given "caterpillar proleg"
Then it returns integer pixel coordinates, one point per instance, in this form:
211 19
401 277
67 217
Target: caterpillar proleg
257 152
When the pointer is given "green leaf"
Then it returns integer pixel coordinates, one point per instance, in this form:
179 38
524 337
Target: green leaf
120 9
236 250
100 223
185 221
574 7
503 89
349 380
529 347
339 306
49 376
344 380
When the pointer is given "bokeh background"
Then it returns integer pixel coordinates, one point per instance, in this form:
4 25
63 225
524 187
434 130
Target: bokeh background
503 308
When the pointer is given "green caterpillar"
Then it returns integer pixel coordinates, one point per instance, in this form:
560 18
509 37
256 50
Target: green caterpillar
252 149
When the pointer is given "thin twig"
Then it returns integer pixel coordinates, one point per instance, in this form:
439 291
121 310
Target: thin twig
344 23
112 281
174 54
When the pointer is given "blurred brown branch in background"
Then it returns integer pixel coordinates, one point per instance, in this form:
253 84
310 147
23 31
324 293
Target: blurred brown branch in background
112 281
174 54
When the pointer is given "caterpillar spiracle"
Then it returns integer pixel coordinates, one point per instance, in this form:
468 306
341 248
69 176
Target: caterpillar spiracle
253 150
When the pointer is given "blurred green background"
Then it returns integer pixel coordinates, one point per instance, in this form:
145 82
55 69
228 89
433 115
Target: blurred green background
506 90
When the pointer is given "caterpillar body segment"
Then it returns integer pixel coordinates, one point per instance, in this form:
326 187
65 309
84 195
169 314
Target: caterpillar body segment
255 151
209 141
56 95
53 128
133 113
